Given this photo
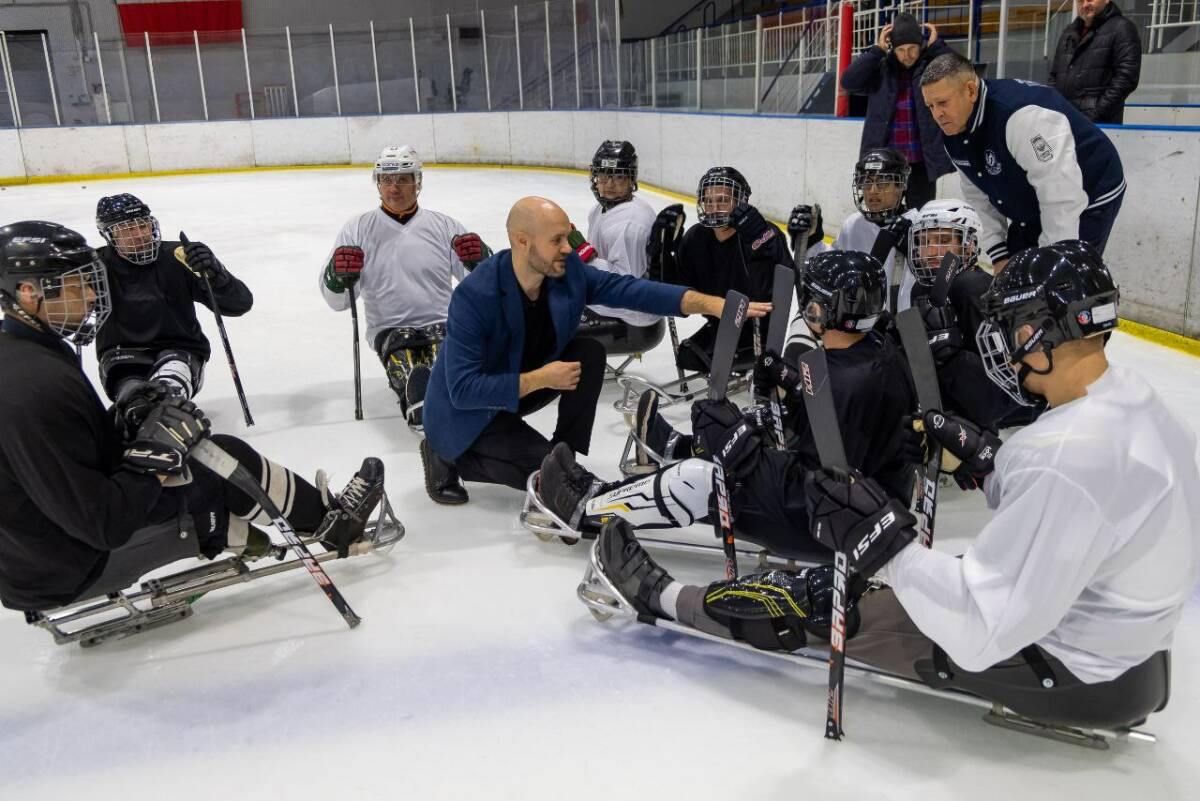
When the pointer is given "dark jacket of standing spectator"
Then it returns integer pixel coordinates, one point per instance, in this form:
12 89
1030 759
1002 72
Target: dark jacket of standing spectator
876 73
1098 67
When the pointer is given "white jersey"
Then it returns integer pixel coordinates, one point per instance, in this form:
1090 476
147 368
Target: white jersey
619 236
1093 550
406 269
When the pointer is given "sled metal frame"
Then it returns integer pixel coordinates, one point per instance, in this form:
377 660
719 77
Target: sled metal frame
168 599
547 526
605 601
672 394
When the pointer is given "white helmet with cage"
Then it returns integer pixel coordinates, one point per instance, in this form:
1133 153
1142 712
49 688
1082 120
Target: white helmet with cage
399 160
943 226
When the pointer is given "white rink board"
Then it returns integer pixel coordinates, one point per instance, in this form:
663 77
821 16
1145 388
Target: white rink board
282 142
472 137
370 135
476 674
185 146
544 138
12 160
74 151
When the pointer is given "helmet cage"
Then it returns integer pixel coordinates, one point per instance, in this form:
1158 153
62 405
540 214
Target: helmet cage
927 246
129 240
865 178
80 333
612 166
715 213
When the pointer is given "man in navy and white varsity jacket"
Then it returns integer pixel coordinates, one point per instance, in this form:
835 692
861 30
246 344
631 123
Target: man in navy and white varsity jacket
1037 170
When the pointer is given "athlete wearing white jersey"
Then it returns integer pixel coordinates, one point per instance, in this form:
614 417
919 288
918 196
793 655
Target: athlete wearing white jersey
1064 607
619 227
401 258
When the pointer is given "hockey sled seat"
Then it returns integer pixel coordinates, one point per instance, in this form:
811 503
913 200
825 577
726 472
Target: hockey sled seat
621 339
1041 689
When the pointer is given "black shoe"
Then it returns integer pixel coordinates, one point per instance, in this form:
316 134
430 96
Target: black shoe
626 564
441 478
345 522
414 397
565 487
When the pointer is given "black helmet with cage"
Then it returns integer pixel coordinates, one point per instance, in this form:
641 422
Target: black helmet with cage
614 158
721 190
880 179
129 228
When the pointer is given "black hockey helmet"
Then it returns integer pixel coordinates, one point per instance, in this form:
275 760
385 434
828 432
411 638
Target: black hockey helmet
48 256
1062 291
724 181
842 290
127 225
614 157
880 173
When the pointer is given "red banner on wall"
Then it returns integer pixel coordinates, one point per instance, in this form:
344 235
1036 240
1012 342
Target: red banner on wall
172 21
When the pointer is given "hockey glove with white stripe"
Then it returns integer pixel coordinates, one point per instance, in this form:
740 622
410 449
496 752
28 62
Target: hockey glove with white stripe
851 513
969 451
165 438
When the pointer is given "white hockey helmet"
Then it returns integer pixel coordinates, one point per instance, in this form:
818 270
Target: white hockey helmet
943 226
399 160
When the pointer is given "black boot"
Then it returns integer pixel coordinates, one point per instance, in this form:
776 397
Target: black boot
441 478
346 520
565 487
626 564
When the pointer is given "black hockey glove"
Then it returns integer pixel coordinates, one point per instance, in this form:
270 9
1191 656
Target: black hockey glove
806 218
771 371
970 452
851 513
941 324
896 234
720 429
754 230
662 246
135 400
202 262
165 438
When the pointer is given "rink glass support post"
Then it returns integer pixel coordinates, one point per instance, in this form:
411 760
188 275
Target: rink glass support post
653 75
971 29
337 92
375 65
50 77
800 61
13 103
517 39
246 62
575 40
828 35
153 83
549 63
1002 42
758 63
412 45
450 49
104 82
599 59
287 30
487 72
617 45
200 72
700 69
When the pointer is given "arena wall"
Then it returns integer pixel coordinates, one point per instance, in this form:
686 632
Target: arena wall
1154 248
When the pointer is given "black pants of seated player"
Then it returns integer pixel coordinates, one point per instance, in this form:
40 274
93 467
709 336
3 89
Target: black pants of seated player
509 449
888 639
194 519
695 352
1094 227
618 336
769 508
399 365
921 187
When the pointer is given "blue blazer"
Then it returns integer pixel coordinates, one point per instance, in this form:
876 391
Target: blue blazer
478 367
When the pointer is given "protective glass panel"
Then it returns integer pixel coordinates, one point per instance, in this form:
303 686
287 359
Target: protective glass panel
467 38
270 74
355 69
224 75
393 49
433 64
313 60
176 78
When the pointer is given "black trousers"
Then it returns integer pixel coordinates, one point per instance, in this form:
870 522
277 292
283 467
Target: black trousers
509 449
921 187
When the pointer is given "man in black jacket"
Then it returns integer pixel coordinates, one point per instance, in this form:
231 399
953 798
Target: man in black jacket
91 501
1098 61
889 73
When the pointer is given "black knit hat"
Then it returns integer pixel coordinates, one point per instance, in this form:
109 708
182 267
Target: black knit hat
906 30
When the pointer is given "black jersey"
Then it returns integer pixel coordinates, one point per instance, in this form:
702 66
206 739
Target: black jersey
64 502
154 305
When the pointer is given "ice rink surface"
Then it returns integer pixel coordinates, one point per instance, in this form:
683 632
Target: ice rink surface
477 674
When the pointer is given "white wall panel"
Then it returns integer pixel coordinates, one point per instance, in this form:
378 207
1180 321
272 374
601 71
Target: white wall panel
479 137
136 148
758 147
74 151
320 140
592 128
644 130
12 160
542 137
830 153
190 146
691 143
370 135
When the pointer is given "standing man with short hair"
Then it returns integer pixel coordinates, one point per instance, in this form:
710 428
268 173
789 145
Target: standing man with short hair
1035 168
1098 61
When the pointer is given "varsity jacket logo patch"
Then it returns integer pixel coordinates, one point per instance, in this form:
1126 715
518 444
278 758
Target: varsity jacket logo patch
993 163
1041 148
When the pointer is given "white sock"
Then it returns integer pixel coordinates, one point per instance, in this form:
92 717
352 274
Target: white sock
668 599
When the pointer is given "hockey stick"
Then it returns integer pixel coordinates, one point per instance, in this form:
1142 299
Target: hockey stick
358 414
915 340
674 332
729 333
209 454
781 306
800 240
216 309
823 422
